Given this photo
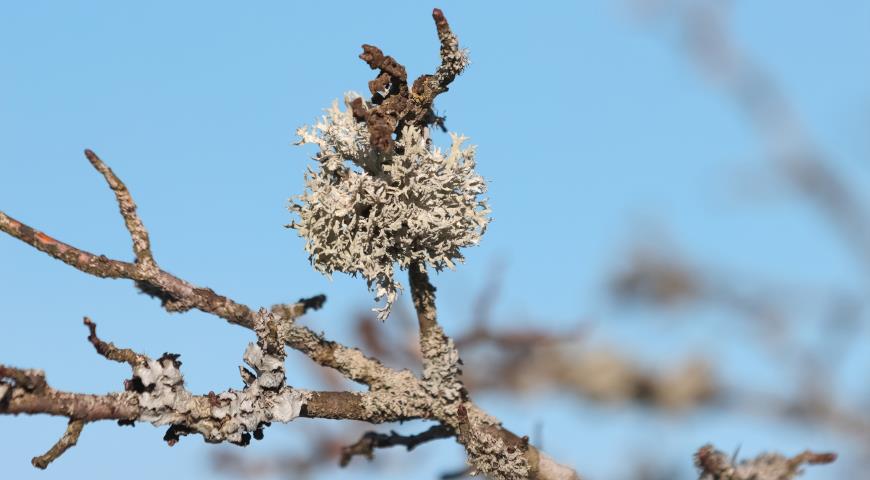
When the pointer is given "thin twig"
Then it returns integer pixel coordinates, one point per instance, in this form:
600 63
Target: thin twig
109 350
138 233
70 438
366 445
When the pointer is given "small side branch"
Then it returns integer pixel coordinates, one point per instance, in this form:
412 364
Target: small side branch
70 438
109 350
453 60
366 445
138 233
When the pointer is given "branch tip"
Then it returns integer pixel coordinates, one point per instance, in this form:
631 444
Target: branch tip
109 350
393 105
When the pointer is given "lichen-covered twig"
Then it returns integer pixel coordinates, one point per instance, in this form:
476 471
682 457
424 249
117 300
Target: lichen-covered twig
440 358
69 439
367 444
713 464
157 394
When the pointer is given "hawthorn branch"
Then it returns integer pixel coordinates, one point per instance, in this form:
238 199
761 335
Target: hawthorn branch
122 405
156 393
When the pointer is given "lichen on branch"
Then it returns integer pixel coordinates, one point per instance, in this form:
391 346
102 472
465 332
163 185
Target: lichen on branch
375 201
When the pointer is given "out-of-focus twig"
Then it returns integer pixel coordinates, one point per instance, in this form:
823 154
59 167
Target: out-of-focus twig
367 444
715 465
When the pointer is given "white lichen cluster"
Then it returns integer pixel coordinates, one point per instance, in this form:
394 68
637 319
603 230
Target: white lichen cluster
232 414
363 212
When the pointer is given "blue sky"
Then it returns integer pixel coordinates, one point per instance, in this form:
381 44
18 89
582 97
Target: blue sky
588 121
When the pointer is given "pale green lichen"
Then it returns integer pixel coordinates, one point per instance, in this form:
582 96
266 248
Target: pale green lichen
363 211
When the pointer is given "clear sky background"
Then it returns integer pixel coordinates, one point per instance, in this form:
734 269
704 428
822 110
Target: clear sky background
591 125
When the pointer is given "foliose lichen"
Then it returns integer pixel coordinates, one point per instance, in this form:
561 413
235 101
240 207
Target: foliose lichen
363 211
